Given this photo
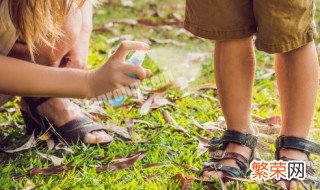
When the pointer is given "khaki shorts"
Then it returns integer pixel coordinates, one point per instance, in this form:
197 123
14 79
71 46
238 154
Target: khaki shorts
280 25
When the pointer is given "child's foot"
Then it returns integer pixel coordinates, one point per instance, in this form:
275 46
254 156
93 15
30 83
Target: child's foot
231 155
231 147
292 154
293 148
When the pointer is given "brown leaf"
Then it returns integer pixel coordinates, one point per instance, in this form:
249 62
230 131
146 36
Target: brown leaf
162 89
130 128
54 159
29 144
105 28
111 41
51 170
202 146
142 121
154 165
185 182
187 167
61 146
167 117
131 22
266 129
122 131
274 120
170 120
122 163
147 22
50 143
147 104
209 126
100 116
205 86
167 41
159 102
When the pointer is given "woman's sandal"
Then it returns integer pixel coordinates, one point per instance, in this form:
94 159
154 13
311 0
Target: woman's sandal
70 133
217 153
305 146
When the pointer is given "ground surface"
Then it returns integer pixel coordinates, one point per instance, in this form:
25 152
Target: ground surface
172 151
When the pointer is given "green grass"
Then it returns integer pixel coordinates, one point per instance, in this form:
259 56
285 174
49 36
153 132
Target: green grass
88 158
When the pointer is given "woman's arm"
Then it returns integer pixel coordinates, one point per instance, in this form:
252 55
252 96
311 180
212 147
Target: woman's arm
23 78
18 77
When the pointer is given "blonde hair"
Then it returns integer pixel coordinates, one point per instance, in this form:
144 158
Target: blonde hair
38 21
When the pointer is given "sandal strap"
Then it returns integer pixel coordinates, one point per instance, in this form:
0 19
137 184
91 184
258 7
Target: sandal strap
244 139
35 102
217 152
300 144
218 155
217 166
305 146
76 129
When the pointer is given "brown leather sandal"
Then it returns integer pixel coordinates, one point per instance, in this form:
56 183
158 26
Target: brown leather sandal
218 153
305 146
72 132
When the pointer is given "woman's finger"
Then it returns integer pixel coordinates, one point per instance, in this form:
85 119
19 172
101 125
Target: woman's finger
134 69
126 46
126 80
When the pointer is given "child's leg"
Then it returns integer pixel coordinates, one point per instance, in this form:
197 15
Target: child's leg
297 77
234 71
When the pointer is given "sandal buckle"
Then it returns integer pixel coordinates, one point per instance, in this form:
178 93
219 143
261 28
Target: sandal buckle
219 154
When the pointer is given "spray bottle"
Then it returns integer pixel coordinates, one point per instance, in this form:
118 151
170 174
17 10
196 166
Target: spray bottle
137 58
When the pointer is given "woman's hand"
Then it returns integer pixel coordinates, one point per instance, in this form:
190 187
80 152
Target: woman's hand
114 73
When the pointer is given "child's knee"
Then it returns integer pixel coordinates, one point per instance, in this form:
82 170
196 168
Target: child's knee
247 41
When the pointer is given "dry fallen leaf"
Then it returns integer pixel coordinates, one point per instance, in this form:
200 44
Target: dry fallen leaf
61 146
210 127
205 86
169 120
266 129
185 182
154 165
29 144
50 143
122 163
146 105
187 167
167 41
274 120
122 131
130 128
50 170
159 102
202 146
54 159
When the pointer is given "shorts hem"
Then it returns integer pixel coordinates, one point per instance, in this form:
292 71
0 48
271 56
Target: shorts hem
218 35
286 47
